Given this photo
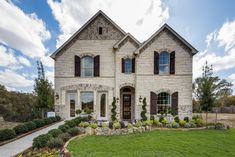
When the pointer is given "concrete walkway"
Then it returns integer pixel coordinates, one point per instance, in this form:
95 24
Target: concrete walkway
23 143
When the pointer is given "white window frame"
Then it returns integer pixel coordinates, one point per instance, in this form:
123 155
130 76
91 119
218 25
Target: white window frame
83 68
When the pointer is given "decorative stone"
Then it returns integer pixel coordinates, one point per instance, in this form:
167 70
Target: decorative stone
81 129
89 131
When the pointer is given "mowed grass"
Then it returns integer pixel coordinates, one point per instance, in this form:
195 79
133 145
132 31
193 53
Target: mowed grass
158 143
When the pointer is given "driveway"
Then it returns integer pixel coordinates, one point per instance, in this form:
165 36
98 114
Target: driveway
23 143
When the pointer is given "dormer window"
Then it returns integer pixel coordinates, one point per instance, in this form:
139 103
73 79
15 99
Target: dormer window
100 30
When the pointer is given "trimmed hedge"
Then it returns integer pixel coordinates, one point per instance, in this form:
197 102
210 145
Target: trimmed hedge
20 129
39 122
65 136
41 140
6 134
55 143
48 121
73 131
63 127
30 125
55 132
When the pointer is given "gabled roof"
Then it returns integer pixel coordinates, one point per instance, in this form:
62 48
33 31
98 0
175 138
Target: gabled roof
83 27
194 51
116 46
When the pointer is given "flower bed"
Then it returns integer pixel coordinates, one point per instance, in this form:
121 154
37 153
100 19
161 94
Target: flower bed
8 135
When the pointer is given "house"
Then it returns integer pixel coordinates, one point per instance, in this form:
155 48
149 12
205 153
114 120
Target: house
101 61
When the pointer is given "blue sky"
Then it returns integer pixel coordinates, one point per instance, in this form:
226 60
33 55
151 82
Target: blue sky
32 30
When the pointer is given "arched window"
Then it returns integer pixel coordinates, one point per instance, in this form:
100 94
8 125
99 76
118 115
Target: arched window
87 66
163 102
128 65
164 62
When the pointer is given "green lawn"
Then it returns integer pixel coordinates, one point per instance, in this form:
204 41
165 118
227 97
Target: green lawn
197 143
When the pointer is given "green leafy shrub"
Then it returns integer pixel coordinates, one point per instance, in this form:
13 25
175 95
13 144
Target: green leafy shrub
199 122
161 118
149 122
113 110
70 123
177 119
77 120
73 131
64 136
138 124
41 140
182 123
192 124
47 121
78 111
186 119
152 118
55 143
53 119
122 124
55 132
165 121
84 124
58 118
187 125
116 125
6 134
39 122
219 126
30 125
195 117
19 129
168 126
129 125
63 127
155 122
87 110
175 125
93 125
144 110
104 125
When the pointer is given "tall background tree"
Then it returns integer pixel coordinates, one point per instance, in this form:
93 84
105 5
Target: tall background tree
43 91
208 89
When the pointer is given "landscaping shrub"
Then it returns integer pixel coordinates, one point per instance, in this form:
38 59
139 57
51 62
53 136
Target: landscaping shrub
219 126
195 117
104 125
187 125
182 123
6 134
55 132
177 119
186 119
30 125
168 126
41 140
192 125
161 118
113 110
144 111
165 121
111 125
77 120
116 125
122 124
84 124
129 126
19 129
64 136
53 119
55 143
58 118
70 123
175 125
93 125
155 122
78 111
47 121
73 131
87 110
138 124
39 122
63 127
152 117
199 122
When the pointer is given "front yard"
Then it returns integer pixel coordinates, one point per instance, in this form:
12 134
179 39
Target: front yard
163 143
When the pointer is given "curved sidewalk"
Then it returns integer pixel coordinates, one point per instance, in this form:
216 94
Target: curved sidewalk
23 143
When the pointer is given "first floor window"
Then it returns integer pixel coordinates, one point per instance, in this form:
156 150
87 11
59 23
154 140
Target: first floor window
102 105
163 102
87 100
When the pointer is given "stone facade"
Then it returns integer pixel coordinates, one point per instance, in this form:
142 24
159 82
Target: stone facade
111 80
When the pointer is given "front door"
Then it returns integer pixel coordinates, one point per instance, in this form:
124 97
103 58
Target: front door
72 102
126 106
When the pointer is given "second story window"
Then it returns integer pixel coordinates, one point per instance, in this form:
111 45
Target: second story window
87 66
128 65
100 30
164 62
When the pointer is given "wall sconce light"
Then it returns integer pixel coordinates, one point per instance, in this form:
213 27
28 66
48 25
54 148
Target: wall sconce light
140 99
57 96
117 100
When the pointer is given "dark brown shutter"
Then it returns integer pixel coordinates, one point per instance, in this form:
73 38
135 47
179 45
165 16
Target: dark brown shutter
123 65
174 102
77 66
133 65
156 62
153 103
172 62
97 66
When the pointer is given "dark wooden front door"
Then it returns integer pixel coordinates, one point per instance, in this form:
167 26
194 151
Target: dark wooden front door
72 108
126 106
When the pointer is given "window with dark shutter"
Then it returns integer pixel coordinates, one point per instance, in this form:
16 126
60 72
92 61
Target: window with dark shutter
123 65
174 103
172 62
153 103
77 66
156 62
97 66
133 65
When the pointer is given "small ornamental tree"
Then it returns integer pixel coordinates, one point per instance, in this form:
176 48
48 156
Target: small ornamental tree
143 113
113 110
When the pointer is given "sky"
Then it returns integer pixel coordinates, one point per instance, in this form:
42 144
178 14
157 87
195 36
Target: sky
32 30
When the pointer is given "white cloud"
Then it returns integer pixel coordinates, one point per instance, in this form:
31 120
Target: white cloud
72 14
226 35
47 61
50 76
24 61
210 38
13 80
24 32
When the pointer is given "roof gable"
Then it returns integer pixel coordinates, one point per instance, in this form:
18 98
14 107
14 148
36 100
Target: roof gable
158 32
89 31
127 37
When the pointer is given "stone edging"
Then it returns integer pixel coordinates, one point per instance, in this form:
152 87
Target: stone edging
27 133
